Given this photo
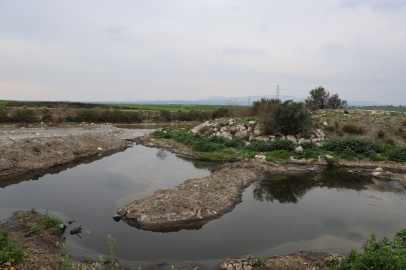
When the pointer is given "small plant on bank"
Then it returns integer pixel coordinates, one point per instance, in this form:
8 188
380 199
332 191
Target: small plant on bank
216 188
35 228
10 251
318 263
55 229
380 134
390 141
51 220
32 210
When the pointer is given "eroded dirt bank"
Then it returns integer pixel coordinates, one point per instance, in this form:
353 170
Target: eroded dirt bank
196 200
33 155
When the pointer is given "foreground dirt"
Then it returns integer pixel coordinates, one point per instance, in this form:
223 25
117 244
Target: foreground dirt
27 155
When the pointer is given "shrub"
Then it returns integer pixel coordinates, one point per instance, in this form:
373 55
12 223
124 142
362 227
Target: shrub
262 146
353 129
351 146
330 128
383 254
47 116
390 141
22 115
397 154
288 117
219 113
281 154
380 134
3 115
10 251
308 145
165 115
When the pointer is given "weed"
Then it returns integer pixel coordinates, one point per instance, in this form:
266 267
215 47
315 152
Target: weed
10 251
380 134
222 186
55 229
35 228
318 263
216 188
353 129
51 220
390 141
336 124
48 151
32 210
280 154
15 159
330 128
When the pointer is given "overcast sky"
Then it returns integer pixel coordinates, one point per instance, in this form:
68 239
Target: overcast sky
169 49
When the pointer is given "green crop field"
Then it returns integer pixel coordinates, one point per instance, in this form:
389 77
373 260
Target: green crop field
172 107
397 109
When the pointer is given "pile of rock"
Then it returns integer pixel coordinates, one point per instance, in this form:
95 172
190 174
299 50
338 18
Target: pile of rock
250 131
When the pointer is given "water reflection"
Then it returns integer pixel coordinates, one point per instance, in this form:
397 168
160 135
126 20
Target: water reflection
290 188
161 154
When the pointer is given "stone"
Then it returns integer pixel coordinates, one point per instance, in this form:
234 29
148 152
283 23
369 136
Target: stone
328 156
291 138
319 145
194 130
325 123
301 140
251 138
260 157
251 122
241 134
258 127
378 171
263 138
257 132
299 148
99 148
242 128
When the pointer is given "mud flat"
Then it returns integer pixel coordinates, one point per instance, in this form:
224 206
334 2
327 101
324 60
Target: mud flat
24 156
197 200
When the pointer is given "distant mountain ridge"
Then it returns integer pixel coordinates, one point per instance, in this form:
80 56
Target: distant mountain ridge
220 100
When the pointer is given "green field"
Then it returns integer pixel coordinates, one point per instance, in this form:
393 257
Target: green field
172 107
379 109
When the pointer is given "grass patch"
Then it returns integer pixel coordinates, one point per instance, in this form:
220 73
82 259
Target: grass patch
51 220
35 228
380 134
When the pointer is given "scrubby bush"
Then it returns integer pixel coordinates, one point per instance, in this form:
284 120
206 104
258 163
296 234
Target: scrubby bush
220 112
10 251
397 154
390 141
383 254
3 114
165 115
288 117
380 134
262 146
22 115
308 145
353 129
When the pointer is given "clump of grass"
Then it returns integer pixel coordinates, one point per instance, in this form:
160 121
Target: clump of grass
281 154
404 122
35 228
51 220
203 130
353 129
55 229
380 134
10 251
336 124
32 210
330 128
390 141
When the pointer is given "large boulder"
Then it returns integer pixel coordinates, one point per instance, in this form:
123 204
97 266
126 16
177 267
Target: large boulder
291 138
241 134
257 132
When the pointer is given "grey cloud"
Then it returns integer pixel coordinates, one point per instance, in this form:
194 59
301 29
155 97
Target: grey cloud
243 51
376 5
114 30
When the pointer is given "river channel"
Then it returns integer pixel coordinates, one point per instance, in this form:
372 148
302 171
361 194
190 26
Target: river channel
279 214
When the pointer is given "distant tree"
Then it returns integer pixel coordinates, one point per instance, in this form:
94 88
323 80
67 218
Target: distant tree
320 98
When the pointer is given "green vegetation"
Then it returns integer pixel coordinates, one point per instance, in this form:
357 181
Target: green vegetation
383 254
51 220
35 228
380 134
10 251
221 148
395 109
319 98
32 210
288 117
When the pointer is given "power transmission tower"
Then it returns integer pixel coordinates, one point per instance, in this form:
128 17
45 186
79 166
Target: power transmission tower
277 91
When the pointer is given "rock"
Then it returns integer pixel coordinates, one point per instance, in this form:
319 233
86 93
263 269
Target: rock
260 157
247 143
291 138
378 171
117 217
251 123
249 128
325 123
194 130
301 140
99 148
319 145
226 135
251 138
257 132
328 156
241 134
263 138
242 128
258 127
299 148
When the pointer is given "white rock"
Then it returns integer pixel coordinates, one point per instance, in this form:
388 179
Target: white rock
292 138
99 148
257 132
325 123
299 148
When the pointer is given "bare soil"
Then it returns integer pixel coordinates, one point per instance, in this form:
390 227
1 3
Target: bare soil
197 200
28 156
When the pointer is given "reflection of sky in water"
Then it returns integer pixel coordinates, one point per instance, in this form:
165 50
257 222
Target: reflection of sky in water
279 215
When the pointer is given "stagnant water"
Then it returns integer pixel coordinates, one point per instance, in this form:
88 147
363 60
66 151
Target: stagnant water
280 214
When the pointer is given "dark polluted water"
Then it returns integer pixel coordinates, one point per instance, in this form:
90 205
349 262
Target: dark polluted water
279 214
